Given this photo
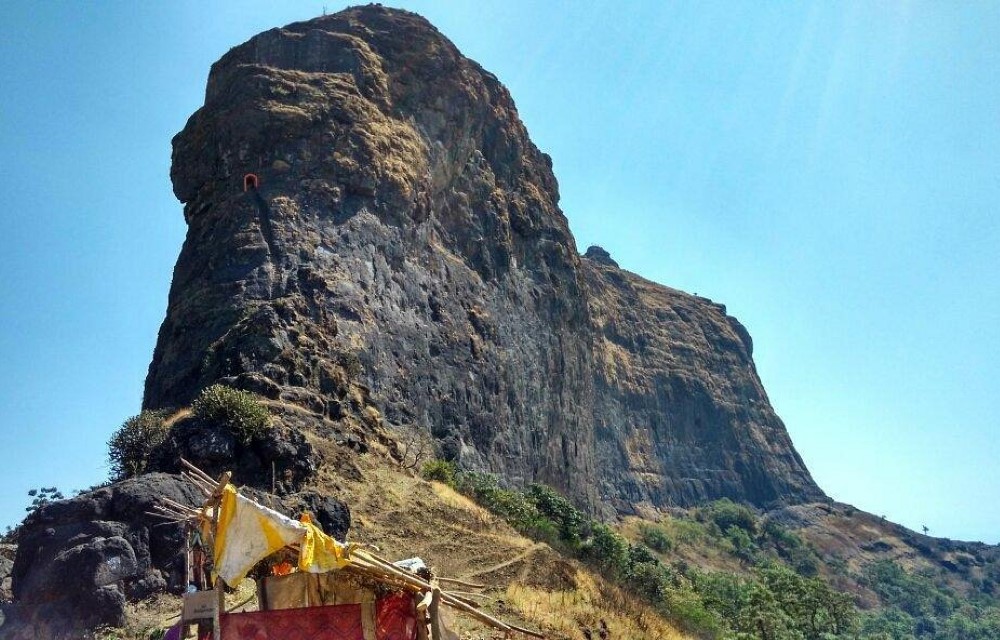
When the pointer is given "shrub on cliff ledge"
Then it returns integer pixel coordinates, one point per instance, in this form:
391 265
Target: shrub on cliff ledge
725 513
240 411
130 446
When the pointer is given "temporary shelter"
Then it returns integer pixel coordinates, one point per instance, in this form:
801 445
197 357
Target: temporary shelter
310 586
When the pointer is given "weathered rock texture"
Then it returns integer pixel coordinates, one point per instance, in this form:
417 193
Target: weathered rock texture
79 560
405 261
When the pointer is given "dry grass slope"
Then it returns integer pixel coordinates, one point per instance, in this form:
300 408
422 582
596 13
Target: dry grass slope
405 516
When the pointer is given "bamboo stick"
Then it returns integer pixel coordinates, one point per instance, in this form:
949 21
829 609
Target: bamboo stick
198 472
172 513
445 597
174 509
177 505
476 613
461 583
188 572
460 598
194 477
166 519
219 582
198 484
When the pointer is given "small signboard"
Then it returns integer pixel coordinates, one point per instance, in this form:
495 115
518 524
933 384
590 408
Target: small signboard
200 605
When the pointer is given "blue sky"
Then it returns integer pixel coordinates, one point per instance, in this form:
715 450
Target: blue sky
828 171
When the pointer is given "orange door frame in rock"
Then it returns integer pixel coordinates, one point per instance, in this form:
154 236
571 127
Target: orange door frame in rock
250 181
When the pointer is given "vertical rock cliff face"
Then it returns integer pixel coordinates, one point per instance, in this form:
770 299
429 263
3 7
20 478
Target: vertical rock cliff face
404 259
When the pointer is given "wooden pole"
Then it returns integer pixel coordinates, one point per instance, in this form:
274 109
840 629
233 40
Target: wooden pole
219 582
187 559
198 472
461 583
434 611
446 598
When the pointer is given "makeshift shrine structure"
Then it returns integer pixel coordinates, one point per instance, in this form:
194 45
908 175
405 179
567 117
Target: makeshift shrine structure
309 585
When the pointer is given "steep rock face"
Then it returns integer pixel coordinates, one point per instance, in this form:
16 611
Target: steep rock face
403 259
681 414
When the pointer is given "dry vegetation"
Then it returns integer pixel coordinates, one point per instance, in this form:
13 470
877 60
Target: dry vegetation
529 582
594 609
405 516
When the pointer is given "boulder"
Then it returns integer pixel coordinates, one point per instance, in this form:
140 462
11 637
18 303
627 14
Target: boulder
78 560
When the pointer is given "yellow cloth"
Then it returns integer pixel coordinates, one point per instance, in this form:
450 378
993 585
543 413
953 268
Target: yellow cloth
320 553
249 532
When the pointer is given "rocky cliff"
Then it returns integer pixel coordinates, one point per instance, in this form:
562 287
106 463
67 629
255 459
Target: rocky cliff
400 257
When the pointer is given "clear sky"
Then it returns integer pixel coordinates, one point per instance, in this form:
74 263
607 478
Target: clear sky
828 171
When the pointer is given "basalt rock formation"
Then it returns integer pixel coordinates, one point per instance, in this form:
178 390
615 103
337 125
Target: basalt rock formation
399 257
79 560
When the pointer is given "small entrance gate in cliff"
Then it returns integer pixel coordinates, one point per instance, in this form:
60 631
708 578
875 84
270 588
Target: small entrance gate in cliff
309 585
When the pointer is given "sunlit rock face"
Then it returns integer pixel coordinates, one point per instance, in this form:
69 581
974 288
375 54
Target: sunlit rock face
403 261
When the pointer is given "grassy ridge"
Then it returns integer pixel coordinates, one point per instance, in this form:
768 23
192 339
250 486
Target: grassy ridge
760 580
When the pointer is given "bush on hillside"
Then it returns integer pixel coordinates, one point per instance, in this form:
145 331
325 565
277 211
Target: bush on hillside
725 513
240 411
744 547
569 521
43 496
608 550
131 445
656 538
914 594
512 506
439 471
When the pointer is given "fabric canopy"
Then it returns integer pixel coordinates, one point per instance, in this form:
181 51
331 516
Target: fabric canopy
249 532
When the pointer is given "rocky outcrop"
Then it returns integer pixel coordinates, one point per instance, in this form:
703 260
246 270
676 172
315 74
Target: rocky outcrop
403 260
600 255
279 458
80 560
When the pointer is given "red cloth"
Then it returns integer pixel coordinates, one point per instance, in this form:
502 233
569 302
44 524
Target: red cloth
335 622
395 619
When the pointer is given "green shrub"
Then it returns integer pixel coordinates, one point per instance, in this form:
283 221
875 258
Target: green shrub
608 549
42 496
512 506
567 518
439 471
688 610
794 550
687 531
130 446
914 594
656 538
725 513
652 580
722 592
542 529
743 544
240 411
